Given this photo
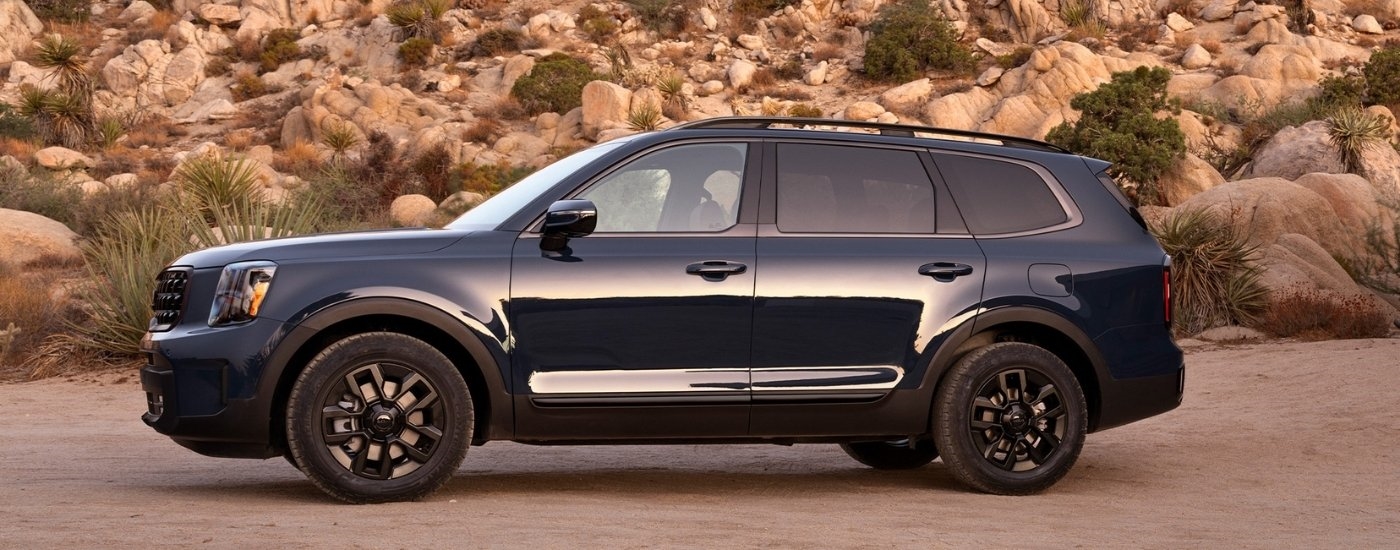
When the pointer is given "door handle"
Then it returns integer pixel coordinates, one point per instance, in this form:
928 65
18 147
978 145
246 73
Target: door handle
945 271
715 270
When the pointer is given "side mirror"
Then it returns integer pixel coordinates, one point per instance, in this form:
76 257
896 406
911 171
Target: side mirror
566 220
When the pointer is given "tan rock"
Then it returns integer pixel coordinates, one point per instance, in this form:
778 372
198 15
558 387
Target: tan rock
60 158
412 210
1297 150
515 68
1190 176
18 25
741 73
26 236
603 102
863 110
1195 57
219 14
907 97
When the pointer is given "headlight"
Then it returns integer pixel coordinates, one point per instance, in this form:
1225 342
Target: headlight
240 293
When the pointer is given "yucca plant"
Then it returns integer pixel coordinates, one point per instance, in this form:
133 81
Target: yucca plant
123 259
645 118
65 57
1354 131
213 182
418 18
109 130
340 137
672 88
1214 279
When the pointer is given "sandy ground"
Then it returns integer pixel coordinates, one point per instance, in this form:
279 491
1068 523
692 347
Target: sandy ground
1277 445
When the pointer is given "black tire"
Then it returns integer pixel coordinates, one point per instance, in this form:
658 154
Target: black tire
1010 419
892 455
397 434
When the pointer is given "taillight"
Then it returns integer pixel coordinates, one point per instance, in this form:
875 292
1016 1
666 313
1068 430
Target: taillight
1167 292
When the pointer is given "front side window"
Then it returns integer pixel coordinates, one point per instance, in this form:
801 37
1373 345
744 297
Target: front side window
688 188
844 189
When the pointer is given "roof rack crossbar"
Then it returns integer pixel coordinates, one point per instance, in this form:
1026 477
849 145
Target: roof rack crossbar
908 130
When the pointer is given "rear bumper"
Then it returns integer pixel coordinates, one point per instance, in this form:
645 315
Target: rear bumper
1131 399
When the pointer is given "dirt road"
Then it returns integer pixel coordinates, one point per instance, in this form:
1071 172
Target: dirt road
1277 445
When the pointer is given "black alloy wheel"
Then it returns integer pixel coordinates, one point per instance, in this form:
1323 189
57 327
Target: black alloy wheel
379 417
1010 419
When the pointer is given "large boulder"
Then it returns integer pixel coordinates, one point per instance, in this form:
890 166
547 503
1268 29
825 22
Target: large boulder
1297 150
18 26
1190 176
412 210
61 158
907 97
26 236
604 104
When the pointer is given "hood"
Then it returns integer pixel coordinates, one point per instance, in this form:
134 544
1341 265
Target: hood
392 242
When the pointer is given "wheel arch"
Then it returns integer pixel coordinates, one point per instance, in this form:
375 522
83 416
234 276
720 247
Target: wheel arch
1035 326
461 344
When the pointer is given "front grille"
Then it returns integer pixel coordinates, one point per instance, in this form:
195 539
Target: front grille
168 302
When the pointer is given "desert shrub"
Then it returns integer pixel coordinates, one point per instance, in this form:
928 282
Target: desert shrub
416 51
383 168
1354 131
489 179
1016 58
804 110
218 65
664 17
63 11
497 41
108 130
64 56
554 85
58 118
600 26
248 85
1119 123
758 9
1341 91
39 194
280 46
28 312
1214 279
93 210
13 125
909 37
1383 76
484 130
1314 315
346 202
340 137
433 169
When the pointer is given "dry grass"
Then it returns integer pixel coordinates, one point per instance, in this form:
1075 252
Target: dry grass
1313 315
300 158
239 140
156 28
776 92
18 148
485 130
827 51
1212 46
764 78
154 132
29 312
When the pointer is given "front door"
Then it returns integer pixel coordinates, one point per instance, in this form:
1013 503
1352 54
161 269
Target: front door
644 326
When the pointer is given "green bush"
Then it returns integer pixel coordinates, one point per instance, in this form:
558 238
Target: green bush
497 41
663 17
1214 279
554 85
41 195
279 47
1383 76
488 179
1341 91
598 24
63 11
14 125
1119 124
910 37
416 52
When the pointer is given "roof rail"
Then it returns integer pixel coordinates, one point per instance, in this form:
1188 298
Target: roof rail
908 130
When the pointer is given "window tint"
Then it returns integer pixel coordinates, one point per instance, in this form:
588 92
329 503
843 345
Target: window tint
686 188
844 189
999 197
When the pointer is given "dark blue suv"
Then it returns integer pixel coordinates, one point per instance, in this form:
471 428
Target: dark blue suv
905 292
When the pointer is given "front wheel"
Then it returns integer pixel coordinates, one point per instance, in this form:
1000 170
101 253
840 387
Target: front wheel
901 454
379 417
1010 419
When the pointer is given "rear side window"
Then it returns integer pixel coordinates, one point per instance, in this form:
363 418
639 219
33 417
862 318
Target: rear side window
844 189
999 197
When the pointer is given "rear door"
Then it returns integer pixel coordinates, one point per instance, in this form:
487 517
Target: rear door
866 265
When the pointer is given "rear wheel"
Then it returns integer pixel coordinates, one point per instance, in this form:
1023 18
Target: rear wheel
899 454
379 417
1010 419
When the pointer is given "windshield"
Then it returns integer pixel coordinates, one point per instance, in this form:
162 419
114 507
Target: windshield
490 214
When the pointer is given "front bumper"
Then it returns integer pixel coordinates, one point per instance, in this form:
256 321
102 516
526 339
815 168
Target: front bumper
201 389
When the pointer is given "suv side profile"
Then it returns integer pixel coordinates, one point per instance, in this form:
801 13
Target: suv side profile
902 291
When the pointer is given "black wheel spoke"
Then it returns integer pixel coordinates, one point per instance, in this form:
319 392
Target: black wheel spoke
413 452
1045 444
979 425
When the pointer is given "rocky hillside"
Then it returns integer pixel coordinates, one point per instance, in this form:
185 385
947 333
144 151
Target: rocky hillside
433 104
